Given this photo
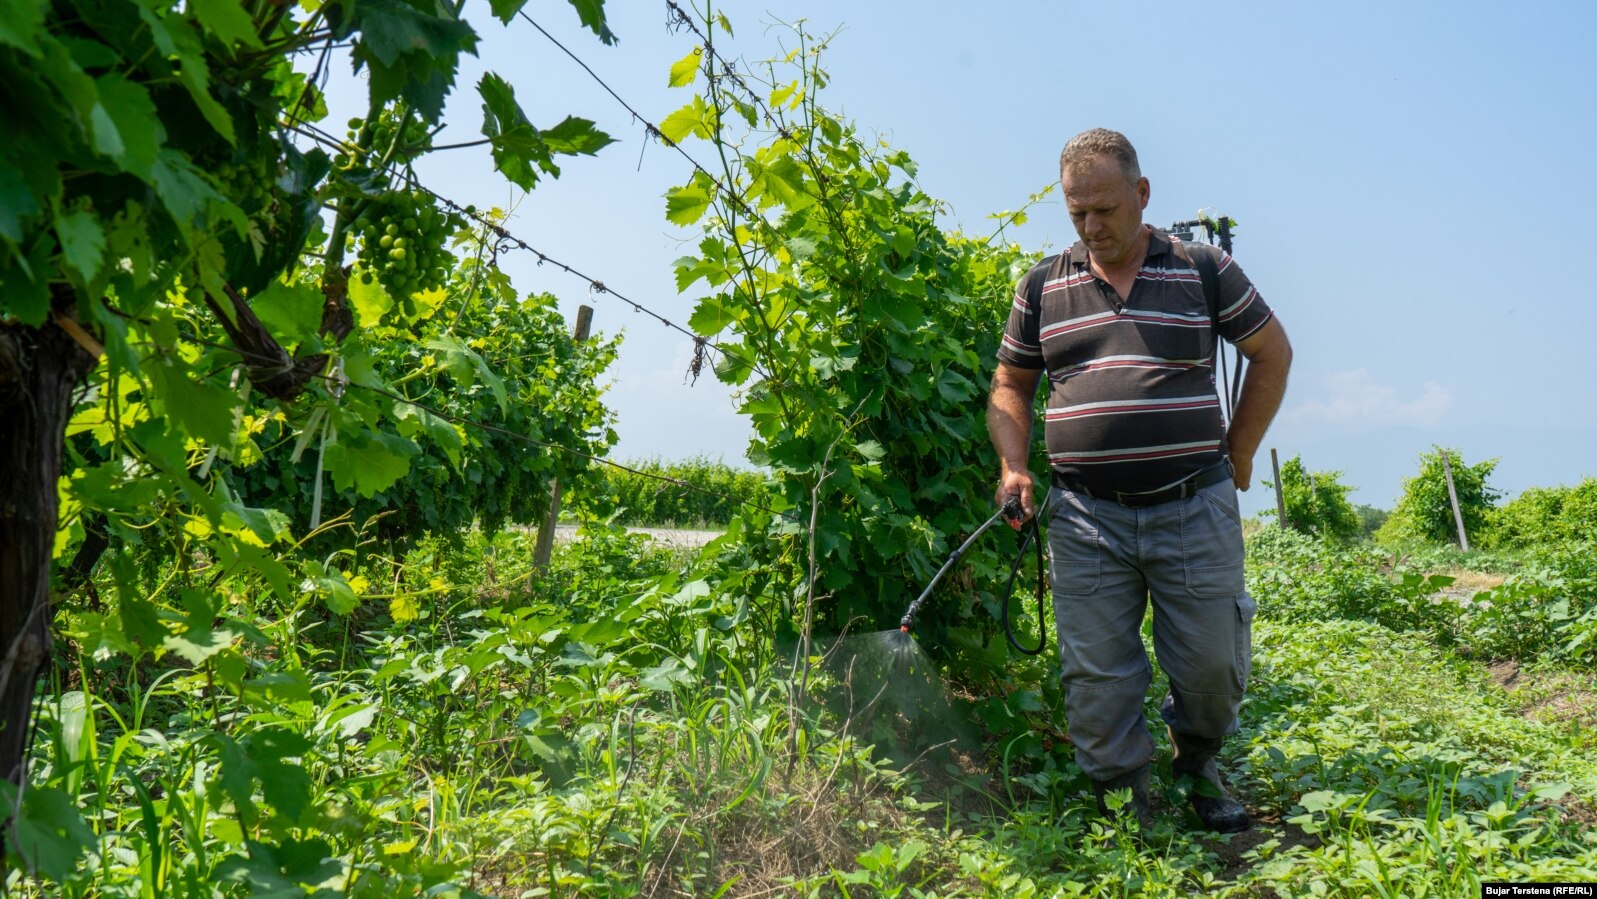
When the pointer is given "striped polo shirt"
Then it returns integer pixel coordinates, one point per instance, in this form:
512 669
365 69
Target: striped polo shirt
1132 404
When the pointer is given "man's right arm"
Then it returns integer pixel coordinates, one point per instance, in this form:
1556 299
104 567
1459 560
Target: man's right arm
1009 415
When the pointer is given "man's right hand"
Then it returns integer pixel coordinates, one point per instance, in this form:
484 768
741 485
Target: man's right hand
1009 414
1017 484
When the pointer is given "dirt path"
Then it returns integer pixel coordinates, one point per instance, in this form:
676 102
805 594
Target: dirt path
672 537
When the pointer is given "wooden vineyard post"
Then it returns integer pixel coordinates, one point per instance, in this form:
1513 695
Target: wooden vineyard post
1280 498
1452 497
546 534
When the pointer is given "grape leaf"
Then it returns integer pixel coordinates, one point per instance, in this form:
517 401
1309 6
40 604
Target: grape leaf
64 74
181 43
20 22
227 20
82 242
411 54
284 686
285 784
107 140
712 315
685 69
412 420
685 121
141 621
197 645
204 411
182 190
686 205
371 301
16 201
50 833
292 311
802 248
591 12
392 30
689 269
518 149
575 136
126 107
466 364
369 466
505 10
783 181
115 485
337 593
521 150
268 526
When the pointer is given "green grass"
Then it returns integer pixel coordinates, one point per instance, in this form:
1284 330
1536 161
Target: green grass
619 725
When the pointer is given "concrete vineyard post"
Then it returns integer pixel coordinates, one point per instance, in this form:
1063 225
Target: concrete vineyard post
1452 497
546 534
1280 498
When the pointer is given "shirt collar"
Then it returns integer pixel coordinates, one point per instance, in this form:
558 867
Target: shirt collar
1158 244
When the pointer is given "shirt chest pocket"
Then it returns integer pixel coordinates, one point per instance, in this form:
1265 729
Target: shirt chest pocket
1177 328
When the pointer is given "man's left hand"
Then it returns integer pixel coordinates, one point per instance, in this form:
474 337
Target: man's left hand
1242 470
1269 356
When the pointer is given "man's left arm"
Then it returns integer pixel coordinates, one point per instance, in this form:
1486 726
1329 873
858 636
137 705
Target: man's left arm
1269 356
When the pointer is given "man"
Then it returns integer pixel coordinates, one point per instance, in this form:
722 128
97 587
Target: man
1144 470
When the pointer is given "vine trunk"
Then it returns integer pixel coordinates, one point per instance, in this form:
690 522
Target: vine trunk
39 370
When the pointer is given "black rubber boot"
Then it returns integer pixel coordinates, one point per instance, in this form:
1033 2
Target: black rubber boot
1137 782
1217 809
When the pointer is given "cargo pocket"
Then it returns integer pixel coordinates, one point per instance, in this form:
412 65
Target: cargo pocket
1073 544
1246 608
1211 542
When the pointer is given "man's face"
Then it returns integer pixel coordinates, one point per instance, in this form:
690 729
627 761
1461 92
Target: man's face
1105 208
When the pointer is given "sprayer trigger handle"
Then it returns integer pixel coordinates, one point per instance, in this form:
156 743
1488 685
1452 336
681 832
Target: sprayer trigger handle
1011 511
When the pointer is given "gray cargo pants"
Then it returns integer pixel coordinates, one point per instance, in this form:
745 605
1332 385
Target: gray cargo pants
1107 559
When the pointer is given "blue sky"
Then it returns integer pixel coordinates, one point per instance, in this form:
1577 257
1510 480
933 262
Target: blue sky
1414 183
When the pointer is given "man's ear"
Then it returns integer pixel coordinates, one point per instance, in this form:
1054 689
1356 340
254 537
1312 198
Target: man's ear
1144 191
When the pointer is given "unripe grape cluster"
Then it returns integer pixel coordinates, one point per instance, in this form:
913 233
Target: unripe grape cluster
400 236
404 242
250 183
369 141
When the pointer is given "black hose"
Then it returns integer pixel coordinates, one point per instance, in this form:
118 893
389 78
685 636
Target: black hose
1031 534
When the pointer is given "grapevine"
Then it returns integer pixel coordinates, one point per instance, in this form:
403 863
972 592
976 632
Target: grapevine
177 232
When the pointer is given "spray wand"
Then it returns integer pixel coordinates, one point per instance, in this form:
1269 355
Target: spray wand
1011 512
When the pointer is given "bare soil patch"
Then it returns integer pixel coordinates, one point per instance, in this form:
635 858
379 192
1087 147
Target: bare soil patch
1472 582
676 538
1557 697
1233 850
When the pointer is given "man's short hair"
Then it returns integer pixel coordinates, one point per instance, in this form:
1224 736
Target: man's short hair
1095 142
